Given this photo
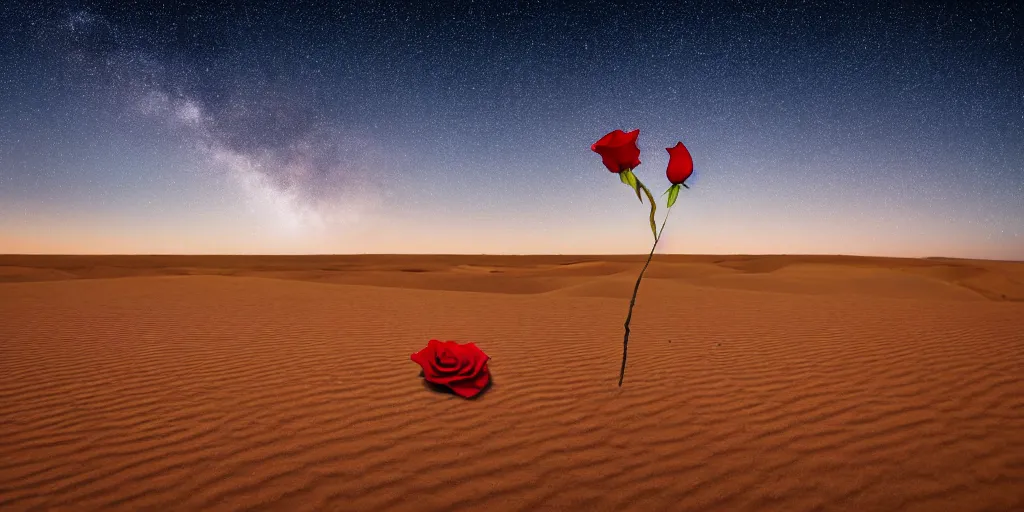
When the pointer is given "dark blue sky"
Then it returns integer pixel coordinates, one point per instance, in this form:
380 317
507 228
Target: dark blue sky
889 128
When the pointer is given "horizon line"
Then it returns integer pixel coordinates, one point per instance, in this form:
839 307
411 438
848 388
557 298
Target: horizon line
617 255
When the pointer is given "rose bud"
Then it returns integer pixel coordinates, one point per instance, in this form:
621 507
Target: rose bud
680 164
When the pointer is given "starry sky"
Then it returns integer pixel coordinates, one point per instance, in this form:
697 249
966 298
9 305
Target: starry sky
816 127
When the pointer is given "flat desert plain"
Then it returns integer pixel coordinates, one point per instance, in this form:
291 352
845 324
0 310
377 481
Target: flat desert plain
761 383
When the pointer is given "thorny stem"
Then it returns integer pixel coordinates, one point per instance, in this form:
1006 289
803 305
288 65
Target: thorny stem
636 288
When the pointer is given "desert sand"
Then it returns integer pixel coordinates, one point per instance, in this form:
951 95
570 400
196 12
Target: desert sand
760 383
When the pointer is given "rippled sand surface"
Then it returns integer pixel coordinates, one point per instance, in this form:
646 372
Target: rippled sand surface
785 383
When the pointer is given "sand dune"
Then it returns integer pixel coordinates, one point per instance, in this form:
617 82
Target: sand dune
766 383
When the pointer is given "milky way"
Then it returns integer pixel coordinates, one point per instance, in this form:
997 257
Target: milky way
268 134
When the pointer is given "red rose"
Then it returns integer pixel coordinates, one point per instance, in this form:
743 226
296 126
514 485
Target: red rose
618 150
680 164
463 368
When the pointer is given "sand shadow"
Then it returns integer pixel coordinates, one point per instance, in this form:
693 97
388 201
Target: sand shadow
445 390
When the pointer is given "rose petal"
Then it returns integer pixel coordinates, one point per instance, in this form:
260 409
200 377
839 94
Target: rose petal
471 387
425 358
446 360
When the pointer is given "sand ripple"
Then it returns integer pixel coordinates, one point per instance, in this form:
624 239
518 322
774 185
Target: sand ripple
242 393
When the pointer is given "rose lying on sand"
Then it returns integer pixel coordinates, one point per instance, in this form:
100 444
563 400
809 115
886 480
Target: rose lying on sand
460 367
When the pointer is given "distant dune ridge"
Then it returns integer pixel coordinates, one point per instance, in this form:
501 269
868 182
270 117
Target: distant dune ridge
757 383
906 277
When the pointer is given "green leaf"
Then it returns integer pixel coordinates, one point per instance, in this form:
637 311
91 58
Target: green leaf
673 193
629 178
624 176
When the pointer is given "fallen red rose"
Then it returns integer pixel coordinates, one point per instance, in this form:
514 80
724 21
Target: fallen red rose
460 367
618 150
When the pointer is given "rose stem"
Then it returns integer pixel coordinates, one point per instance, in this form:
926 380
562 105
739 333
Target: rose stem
636 288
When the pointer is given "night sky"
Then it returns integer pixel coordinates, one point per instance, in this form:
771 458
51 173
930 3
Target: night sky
888 128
